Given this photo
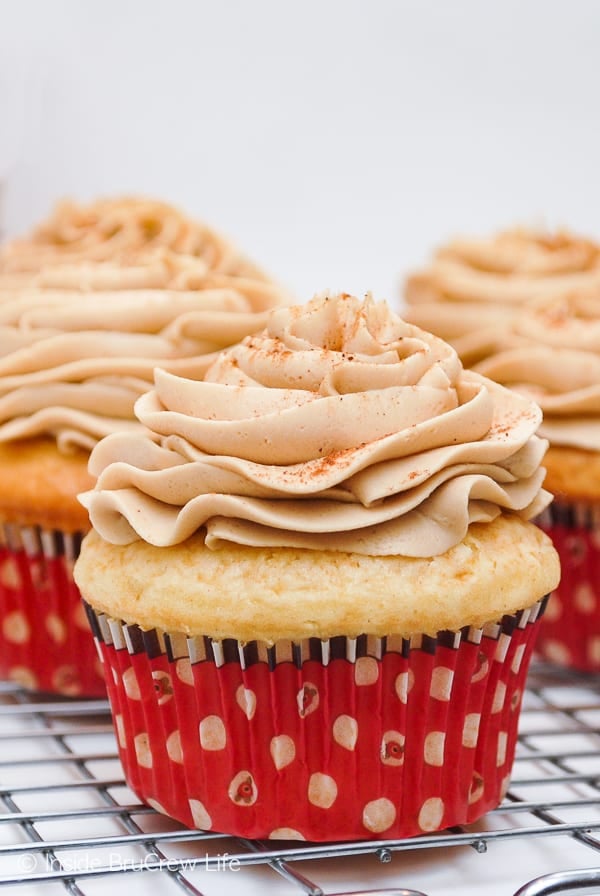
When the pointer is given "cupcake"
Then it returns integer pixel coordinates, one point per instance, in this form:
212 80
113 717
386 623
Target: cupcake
524 309
470 291
78 345
558 366
314 584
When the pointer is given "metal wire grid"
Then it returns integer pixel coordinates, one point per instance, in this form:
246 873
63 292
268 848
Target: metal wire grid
59 771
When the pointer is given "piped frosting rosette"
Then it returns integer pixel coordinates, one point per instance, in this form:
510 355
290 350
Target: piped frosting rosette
554 359
123 229
470 292
340 427
73 363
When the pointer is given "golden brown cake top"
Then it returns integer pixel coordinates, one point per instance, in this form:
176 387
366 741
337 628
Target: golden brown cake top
259 593
340 427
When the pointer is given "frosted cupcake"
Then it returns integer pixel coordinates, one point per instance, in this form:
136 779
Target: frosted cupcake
558 365
78 346
314 585
471 289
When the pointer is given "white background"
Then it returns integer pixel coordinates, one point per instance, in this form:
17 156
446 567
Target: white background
336 140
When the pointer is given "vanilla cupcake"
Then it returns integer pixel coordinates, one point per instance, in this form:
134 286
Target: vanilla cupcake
556 362
78 345
314 585
524 309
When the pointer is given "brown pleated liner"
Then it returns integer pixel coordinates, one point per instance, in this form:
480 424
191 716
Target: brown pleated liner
45 639
570 631
341 739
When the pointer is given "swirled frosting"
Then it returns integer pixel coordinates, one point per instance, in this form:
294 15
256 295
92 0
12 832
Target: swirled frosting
122 229
74 361
339 427
552 355
472 289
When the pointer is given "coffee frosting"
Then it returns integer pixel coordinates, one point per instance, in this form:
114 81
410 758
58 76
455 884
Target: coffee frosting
340 427
123 229
73 362
472 290
552 355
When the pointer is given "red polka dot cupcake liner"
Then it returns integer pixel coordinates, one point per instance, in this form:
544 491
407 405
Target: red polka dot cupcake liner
570 632
343 739
45 639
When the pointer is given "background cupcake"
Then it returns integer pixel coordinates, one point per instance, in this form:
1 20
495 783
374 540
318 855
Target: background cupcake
304 581
78 344
524 310
472 287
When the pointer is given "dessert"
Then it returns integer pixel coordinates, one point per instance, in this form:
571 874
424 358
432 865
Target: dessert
78 345
303 581
523 308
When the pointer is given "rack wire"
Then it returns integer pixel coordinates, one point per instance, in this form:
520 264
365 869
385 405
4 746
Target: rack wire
69 824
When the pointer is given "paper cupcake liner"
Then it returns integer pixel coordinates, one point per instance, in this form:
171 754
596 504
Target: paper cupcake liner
335 740
45 639
570 632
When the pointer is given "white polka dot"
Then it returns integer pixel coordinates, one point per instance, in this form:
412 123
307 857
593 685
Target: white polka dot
174 751
9 574
213 734
554 609
379 815
366 670
307 699
120 728
502 745
441 683
283 751
431 814
286 834
141 745
163 687
593 650
56 628
345 732
476 789
115 674
556 652
471 730
80 618
65 680
23 676
504 786
391 751
158 807
322 790
184 671
403 685
200 816
16 628
246 700
433 750
499 697
481 668
130 683
242 790
518 658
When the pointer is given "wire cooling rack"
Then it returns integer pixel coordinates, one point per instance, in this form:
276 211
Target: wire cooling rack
69 824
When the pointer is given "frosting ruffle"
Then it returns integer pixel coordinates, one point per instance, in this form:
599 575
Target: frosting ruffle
340 427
